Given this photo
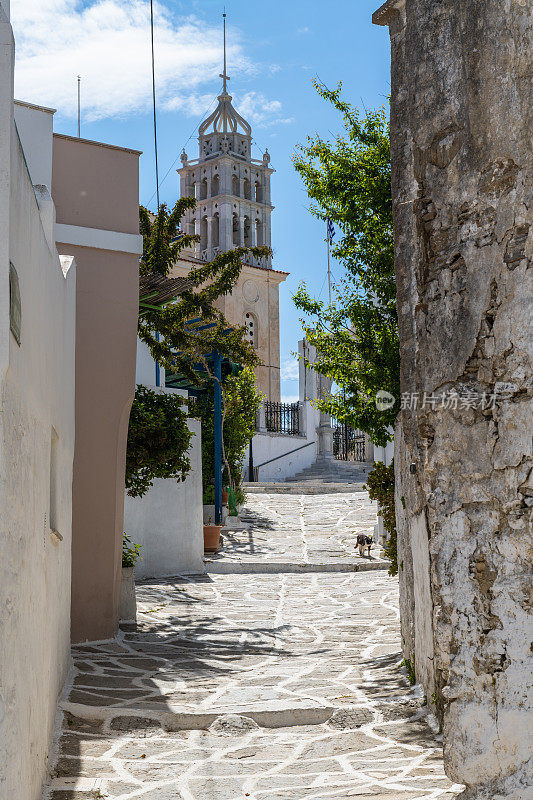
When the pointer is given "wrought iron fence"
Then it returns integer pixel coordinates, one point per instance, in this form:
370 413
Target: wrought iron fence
282 417
348 444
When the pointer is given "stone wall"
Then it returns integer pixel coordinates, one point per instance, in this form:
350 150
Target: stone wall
461 155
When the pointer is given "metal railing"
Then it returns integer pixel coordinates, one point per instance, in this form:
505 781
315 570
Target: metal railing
348 444
282 418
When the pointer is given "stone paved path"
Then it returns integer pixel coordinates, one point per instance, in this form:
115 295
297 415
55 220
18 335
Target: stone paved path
294 533
262 686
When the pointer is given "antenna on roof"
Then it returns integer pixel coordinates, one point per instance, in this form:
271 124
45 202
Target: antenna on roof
79 107
224 76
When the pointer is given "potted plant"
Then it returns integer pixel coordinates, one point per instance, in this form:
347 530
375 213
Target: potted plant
131 553
211 537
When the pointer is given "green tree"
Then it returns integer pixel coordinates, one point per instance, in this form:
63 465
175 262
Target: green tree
349 181
158 440
172 342
241 401
380 485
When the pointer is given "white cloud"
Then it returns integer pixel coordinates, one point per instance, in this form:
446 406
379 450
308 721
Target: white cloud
290 398
290 369
305 29
261 111
107 42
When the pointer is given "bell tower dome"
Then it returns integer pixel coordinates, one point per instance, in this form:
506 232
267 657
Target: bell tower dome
231 188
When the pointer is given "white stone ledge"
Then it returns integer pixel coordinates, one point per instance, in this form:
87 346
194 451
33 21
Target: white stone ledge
99 238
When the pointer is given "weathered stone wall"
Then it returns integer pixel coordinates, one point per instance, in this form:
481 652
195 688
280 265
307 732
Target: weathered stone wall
461 152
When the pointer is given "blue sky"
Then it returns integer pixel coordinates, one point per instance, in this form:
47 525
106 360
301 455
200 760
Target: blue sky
275 50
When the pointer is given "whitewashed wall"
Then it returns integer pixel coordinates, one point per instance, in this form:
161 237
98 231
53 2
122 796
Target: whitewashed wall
37 397
168 520
268 445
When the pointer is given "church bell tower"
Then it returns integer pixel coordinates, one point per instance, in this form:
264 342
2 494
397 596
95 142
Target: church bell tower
233 208
232 188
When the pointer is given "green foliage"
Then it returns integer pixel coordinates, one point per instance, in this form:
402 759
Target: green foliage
380 485
349 181
158 440
131 553
240 496
240 402
410 667
175 346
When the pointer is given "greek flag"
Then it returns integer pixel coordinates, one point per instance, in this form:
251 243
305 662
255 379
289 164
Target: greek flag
330 231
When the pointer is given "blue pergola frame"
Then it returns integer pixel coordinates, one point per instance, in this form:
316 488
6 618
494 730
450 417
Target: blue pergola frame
216 359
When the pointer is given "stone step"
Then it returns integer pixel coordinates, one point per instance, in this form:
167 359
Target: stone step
225 566
303 487
272 713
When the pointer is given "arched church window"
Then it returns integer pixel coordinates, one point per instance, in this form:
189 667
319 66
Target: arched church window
247 189
216 230
258 189
203 189
250 329
247 232
203 233
259 233
235 185
236 230
215 186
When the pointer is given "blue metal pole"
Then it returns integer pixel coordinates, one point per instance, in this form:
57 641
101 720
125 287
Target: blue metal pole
217 370
157 368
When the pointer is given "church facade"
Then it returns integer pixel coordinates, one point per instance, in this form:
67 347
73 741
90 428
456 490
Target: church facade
233 209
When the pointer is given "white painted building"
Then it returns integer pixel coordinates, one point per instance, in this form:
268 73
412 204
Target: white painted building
37 341
278 456
168 520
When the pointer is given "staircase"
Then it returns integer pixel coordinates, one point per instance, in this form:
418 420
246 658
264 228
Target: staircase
323 477
326 470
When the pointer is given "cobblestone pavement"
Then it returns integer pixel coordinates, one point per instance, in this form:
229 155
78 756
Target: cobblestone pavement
313 530
262 686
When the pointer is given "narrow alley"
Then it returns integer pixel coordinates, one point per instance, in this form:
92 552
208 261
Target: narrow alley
276 675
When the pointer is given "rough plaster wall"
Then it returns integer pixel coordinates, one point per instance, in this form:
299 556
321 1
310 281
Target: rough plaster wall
37 393
423 621
461 152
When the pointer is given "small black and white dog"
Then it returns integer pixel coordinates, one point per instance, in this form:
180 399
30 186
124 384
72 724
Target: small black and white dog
364 542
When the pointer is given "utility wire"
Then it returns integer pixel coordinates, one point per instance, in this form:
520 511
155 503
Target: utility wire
153 96
196 126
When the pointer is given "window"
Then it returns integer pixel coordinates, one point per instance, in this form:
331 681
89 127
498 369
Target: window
250 325
247 232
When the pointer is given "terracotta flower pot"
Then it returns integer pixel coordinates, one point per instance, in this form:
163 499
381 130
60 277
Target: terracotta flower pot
211 538
225 498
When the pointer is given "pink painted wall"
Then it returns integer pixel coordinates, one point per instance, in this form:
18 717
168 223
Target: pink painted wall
96 186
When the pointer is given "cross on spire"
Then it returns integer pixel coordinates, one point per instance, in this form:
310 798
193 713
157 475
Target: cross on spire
223 75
